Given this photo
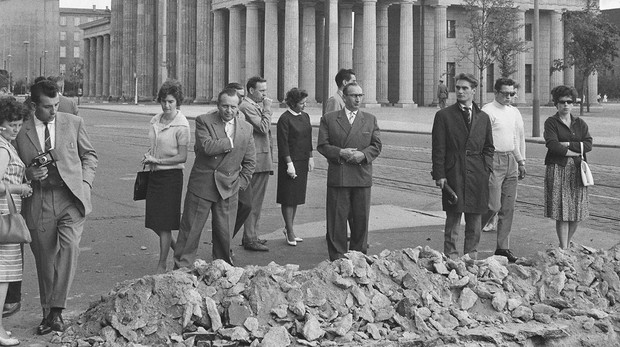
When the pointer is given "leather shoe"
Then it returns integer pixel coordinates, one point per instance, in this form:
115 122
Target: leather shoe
506 253
11 309
262 241
55 321
44 328
255 246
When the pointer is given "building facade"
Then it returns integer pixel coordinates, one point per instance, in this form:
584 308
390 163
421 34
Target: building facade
398 48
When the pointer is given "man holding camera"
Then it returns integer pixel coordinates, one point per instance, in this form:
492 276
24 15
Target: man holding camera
61 164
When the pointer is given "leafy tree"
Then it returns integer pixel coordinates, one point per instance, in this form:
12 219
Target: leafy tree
73 77
592 44
491 38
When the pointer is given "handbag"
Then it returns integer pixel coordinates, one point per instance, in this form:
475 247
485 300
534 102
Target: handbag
141 184
13 228
586 174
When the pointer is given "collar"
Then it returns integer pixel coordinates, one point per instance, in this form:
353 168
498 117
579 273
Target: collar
176 121
349 111
463 107
293 112
38 122
498 105
251 101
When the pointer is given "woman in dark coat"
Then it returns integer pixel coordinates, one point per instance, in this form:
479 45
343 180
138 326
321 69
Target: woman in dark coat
294 159
566 198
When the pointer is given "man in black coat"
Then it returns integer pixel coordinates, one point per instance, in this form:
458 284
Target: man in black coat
462 155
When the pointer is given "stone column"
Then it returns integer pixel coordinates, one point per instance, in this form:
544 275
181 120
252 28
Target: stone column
86 69
440 49
358 43
556 49
520 74
569 73
204 52
186 48
92 73
405 76
320 43
219 55
130 11
345 36
308 54
252 40
234 45
106 66
382 54
171 39
145 50
331 26
270 51
162 42
116 47
99 67
369 67
291 45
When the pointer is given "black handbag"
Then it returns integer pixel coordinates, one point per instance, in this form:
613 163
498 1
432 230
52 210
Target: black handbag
13 228
141 184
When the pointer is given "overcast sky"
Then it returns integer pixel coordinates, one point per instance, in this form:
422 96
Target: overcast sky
101 4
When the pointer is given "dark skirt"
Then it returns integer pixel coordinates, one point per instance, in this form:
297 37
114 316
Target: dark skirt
292 192
163 200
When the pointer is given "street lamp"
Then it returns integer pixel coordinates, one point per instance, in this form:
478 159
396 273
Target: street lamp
42 60
26 43
8 68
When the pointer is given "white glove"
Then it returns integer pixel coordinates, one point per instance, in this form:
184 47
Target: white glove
290 170
310 164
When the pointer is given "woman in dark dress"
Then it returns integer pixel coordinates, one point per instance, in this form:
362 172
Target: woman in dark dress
566 198
294 159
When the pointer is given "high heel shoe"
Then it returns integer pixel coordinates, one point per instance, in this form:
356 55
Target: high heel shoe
290 243
9 342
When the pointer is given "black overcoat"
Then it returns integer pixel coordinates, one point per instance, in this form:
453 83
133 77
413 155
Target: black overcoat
463 157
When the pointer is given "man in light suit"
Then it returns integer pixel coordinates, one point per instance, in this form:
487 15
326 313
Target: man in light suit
350 140
66 105
56 212
225 161
336 102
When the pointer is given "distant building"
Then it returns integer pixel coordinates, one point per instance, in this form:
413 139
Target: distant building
608 80
398 48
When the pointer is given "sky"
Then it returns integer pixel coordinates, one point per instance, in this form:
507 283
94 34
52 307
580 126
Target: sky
101 4
606 4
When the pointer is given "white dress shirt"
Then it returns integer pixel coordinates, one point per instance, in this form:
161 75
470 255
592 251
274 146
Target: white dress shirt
41 131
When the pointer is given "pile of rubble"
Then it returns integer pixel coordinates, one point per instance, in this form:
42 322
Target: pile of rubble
410 297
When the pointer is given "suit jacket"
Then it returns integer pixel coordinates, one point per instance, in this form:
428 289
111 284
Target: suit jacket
335 133
219 171
67 105
335 103
260 119
464 158
76 161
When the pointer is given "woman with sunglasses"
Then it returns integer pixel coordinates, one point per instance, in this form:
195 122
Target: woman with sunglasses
566 198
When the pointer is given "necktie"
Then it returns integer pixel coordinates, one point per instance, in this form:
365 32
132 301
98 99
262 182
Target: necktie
468 111
48 139
351 117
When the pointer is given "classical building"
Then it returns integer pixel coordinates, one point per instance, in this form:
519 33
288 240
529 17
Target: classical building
398 48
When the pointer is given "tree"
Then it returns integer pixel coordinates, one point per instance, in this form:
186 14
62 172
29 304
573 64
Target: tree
73 77
491 38
592 44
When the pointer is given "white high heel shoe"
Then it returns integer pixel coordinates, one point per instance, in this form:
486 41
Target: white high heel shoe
290 243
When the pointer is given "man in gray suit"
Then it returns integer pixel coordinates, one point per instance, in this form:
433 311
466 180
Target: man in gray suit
67 105
336 102
225 161
350 140
56 211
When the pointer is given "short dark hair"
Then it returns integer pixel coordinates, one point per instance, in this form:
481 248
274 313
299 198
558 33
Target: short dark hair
234 85
228 91
253 81
12 110
467 77
39 79
44 87
563 91
171 87
504 81
346 88
294 96
343 75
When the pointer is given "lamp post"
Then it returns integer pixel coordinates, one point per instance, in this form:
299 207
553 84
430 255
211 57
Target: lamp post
8 68
26 43
44 61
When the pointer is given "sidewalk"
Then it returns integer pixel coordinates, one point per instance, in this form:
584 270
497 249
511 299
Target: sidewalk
603 121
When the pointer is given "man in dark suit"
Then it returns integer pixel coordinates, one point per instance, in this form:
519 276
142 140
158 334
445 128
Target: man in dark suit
225 161
56 211
350 140
462 156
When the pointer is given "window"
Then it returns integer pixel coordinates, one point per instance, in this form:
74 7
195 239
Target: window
76 52
63 35
90 19
63 68
63 51
490 78
528 32
451 73
76 36
451 29
76 21
63 21
528 78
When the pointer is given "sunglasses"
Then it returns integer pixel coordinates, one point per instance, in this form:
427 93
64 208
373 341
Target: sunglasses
508 94
569 102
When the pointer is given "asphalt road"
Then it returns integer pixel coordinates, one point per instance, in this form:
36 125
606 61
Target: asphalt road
116 246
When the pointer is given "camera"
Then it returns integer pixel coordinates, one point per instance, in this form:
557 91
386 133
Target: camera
43 159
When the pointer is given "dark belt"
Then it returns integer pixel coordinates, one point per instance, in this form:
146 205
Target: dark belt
468 152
